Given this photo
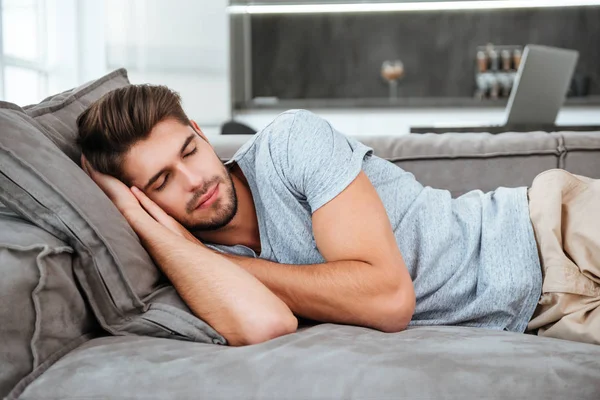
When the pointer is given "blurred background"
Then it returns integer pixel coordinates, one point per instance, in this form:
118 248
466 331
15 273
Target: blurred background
370 67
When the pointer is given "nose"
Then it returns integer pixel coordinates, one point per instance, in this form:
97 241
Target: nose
190 178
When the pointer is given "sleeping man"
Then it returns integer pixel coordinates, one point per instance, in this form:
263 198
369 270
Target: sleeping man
304 221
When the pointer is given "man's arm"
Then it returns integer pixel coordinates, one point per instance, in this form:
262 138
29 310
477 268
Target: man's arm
231 300
364 281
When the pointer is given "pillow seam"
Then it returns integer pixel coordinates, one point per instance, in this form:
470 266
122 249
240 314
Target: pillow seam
46 250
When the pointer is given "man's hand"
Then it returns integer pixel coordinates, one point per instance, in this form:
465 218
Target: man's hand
116 190
133 199
162 217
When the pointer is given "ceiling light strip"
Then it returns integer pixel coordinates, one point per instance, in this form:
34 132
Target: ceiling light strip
408 6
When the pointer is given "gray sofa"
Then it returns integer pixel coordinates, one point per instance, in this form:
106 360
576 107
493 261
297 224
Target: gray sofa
85 314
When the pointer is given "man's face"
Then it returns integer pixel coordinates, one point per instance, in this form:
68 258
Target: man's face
177 168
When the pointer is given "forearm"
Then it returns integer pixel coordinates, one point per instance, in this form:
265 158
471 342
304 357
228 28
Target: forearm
350 292
227 297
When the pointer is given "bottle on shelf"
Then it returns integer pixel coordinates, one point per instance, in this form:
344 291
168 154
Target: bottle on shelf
495 70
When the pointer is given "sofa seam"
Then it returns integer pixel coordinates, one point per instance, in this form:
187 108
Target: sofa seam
21 210
46 250
554 152
161 308
37 325
562 151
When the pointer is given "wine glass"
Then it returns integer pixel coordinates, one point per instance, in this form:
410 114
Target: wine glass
392 71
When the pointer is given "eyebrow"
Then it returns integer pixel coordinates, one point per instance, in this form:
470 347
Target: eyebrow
162 171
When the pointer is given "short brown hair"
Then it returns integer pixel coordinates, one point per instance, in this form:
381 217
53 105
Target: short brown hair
109 127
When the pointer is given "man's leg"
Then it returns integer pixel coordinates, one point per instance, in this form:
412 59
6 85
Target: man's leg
565 214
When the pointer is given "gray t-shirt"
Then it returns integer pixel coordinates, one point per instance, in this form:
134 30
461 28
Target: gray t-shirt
473 260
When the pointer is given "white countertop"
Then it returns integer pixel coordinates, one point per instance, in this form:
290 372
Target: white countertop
385 121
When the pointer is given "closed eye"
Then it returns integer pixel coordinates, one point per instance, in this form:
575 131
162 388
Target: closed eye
162 185
191 152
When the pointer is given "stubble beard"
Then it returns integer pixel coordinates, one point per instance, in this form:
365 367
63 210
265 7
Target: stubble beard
223 210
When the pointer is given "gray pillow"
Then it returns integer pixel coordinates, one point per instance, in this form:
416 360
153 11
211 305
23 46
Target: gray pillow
126 291
43 316
57 114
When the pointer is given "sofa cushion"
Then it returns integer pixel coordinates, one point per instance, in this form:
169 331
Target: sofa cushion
127 292
57 114
331 361
458 162
461 162
42 313
581 153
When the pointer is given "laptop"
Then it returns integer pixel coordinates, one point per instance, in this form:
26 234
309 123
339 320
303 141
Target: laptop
539 89
541 85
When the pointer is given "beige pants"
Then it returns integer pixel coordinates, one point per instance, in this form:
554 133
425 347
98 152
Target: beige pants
565 213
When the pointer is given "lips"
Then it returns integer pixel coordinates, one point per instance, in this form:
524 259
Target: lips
207 196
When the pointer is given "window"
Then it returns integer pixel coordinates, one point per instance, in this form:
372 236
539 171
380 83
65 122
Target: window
48 46
23 51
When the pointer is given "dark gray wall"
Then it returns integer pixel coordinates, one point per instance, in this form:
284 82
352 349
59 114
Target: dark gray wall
340 55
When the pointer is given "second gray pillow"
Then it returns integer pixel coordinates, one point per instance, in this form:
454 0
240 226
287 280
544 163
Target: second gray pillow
126 291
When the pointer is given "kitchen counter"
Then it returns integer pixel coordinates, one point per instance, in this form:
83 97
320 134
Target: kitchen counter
506 128
273 103
401 121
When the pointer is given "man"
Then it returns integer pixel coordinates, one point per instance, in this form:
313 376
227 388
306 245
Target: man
304 221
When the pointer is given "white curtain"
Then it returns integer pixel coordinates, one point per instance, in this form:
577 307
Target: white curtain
49 46
183 44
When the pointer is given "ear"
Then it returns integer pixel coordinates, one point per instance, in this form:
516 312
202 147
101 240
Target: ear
198 130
